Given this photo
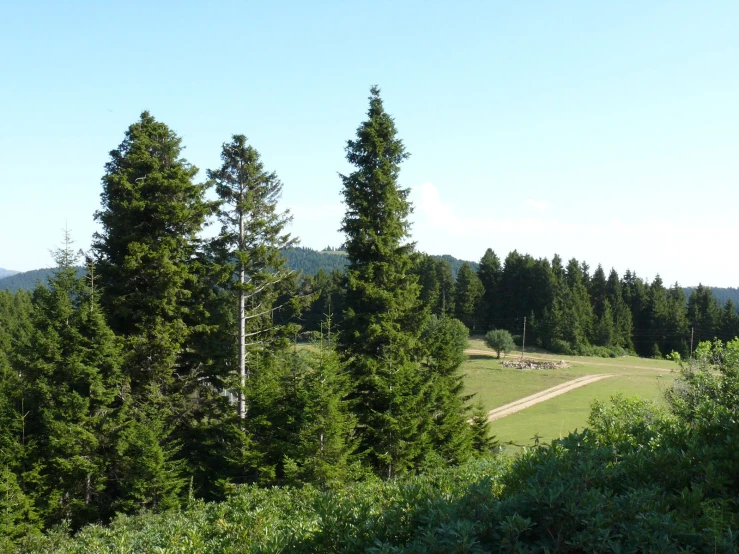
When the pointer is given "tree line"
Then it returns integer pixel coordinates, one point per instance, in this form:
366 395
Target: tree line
169 370
567 308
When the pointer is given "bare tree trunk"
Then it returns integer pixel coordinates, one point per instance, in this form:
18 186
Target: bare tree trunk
242 324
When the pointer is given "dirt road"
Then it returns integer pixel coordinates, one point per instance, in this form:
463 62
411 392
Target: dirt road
544 395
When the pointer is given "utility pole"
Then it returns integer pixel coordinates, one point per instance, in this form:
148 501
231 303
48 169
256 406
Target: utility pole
692 332
523 342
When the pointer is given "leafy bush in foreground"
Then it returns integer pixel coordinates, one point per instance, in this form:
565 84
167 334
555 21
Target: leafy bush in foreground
641 479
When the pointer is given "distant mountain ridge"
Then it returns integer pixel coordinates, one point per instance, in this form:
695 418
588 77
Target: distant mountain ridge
309 262
7 273
722 294
305 260
28 280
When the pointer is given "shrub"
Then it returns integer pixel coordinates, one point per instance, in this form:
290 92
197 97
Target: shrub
499 340
559 346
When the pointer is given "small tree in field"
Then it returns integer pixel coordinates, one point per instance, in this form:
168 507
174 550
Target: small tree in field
499 340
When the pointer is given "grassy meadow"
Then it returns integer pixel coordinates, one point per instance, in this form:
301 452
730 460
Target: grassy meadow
496 386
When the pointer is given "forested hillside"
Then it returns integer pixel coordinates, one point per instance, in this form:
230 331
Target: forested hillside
722 294
306 261
28 280
6 273
567 308
168 373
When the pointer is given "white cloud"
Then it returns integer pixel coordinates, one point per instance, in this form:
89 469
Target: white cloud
688 252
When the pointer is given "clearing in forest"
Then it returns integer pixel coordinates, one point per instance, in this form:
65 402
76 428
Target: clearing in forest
541 396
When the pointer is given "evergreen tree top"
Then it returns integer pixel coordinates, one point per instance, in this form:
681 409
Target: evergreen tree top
376 220
376 143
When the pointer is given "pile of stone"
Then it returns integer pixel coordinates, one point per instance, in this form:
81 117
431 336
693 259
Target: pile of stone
534 364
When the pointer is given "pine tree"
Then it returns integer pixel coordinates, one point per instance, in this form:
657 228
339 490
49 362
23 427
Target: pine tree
635 295
482 441
71 377
604 332
728 326
577 310
151 214
622 323
318 442
598 291
146 265
428 279
703 313
675 322
468 292
656 313
489 273
550 329
18 516
445 304
383 318
445 340
248 246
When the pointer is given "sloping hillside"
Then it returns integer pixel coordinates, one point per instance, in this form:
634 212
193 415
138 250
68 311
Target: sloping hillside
6 273
721 294
28 279
305 260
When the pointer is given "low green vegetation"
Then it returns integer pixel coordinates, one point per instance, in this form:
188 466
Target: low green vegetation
641 478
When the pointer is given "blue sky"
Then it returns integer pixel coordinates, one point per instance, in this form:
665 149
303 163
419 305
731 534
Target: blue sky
607 131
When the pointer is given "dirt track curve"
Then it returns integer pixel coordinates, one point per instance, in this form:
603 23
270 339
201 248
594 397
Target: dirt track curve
541 396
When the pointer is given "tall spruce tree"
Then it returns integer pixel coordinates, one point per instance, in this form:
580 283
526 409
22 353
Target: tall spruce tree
71 376
703 313
150 216
578 312
676 324
728 326
248 247
145 256
468 292
384 317
445 340
622 324
18 515
489 273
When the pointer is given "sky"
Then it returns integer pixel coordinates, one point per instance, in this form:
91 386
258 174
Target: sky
605 131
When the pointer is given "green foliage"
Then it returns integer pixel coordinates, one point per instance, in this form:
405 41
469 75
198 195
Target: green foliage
146 263
444 341
703 314
151 213
310 426
29 280
499 340
70 373
309 262
18 517
327 292
640 479
489 306
468 292
383 319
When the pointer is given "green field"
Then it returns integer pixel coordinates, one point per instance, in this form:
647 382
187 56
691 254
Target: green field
496 386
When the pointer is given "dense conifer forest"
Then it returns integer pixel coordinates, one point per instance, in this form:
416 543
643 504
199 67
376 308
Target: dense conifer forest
159 371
